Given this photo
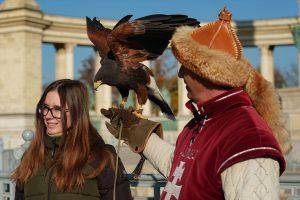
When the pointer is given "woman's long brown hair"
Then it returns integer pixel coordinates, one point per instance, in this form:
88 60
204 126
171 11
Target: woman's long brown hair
75 148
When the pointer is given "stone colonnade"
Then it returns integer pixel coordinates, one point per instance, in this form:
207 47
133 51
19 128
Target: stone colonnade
24 28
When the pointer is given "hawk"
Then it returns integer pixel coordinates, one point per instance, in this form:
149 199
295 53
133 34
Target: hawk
124 48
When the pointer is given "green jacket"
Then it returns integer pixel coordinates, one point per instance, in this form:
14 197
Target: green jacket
39 187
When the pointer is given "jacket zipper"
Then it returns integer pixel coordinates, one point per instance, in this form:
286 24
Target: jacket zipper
199 129
49 188
50 172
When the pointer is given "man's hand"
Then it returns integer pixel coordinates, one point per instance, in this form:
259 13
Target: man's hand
135 131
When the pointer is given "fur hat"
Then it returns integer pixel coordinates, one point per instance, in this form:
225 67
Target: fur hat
214 53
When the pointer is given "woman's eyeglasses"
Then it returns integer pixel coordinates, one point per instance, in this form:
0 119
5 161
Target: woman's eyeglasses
55 111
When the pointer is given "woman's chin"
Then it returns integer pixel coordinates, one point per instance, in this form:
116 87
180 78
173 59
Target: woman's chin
52 132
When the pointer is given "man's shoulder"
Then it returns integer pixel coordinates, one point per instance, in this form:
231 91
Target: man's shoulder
245 118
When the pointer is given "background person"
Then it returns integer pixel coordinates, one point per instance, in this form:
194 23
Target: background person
67 159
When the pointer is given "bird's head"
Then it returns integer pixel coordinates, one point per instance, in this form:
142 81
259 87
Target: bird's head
107 74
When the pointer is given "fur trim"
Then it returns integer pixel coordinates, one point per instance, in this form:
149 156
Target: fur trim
218 67
266 102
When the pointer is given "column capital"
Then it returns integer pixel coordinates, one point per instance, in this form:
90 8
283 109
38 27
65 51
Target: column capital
17 4
58 46
266 46
64 45
70 45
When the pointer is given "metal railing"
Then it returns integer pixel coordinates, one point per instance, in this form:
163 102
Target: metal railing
153 183
7 187
289 185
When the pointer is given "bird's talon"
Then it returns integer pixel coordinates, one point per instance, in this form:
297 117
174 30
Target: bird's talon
122 104
138 114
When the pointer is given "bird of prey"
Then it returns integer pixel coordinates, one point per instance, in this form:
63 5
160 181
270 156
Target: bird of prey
124 48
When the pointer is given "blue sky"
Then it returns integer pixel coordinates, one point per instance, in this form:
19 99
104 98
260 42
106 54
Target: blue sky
204 10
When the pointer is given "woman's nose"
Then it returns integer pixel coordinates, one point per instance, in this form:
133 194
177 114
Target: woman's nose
49 115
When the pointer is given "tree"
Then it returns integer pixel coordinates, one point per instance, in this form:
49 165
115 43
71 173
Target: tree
86 74
286 78
280 80
165 72
291 75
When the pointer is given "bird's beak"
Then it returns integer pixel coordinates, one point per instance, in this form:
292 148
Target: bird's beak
97 84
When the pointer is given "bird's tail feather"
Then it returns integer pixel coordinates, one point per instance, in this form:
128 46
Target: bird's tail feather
163 105
156 97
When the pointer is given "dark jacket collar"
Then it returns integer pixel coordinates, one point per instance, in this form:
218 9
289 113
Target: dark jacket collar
233 98
49 142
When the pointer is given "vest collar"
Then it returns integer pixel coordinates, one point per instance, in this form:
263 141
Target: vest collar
233 98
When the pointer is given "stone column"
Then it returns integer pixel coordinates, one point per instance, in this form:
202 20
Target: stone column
103 96
1 154
298 53
64 61
147 107
13 4
267 62
21 29
20 56
182 97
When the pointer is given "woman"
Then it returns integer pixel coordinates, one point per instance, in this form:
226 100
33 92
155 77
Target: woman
68 159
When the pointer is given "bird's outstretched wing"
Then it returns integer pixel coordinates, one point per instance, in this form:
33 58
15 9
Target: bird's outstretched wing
98 34
142 39
146 38
159 30
123 20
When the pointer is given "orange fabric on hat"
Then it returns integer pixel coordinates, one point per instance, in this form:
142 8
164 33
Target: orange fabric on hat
219 35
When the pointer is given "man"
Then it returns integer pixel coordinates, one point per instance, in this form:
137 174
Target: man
232 148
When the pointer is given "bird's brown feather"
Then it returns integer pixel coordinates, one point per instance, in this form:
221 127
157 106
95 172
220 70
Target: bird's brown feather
142 94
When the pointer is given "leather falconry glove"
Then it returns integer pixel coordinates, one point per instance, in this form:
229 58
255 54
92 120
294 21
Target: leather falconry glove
136 131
